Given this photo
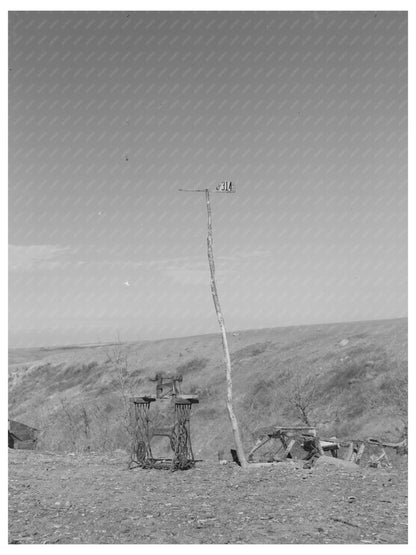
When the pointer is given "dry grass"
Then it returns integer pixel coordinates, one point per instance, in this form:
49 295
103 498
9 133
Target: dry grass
352 382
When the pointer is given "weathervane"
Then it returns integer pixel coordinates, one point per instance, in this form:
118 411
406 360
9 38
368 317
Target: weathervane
223 187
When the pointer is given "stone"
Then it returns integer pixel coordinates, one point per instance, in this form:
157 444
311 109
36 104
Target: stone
326 462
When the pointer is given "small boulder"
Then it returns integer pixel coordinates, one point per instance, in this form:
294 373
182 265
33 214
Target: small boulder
326 462
344 342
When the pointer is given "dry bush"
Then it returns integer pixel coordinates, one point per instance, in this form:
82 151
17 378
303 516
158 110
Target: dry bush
88 424
80 427
302 397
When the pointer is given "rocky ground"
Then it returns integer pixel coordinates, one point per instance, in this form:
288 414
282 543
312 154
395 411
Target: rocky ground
79 498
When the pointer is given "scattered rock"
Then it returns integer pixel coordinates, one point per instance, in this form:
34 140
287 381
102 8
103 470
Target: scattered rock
271 504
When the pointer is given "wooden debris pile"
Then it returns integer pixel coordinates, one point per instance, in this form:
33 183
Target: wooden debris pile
21 436
307 439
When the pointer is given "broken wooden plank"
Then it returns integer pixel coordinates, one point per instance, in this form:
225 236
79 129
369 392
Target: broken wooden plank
260 442
360 453
350 451
288 448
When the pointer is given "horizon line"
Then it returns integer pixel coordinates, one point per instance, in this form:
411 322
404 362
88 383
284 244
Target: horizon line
237 330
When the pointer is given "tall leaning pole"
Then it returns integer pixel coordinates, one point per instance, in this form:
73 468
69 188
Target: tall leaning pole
224 187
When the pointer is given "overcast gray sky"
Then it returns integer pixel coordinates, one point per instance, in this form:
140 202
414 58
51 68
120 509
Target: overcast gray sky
111 112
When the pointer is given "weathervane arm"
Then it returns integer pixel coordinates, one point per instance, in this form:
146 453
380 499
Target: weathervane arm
193 190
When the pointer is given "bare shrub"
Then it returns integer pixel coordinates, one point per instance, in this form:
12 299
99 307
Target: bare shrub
302 397
61 429
80 427
127 380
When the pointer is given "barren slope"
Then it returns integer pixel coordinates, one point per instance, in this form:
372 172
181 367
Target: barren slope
357 370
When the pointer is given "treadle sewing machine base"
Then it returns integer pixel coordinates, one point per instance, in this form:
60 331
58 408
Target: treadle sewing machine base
178 432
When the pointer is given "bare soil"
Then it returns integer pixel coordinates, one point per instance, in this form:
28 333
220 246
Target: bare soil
93 498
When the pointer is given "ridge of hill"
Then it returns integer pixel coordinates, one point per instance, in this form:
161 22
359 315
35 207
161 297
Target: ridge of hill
353 377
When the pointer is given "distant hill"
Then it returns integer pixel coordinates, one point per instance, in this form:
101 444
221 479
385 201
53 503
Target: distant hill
353 377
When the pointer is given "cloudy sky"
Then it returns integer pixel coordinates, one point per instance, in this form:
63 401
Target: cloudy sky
110 113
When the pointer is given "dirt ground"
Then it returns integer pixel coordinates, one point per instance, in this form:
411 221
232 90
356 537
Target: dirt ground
94 499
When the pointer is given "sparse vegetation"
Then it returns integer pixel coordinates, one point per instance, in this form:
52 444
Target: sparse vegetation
359 389
302 396
76 428
250 351
393 393
194 365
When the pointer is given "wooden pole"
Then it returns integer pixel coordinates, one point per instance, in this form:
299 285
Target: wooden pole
227 360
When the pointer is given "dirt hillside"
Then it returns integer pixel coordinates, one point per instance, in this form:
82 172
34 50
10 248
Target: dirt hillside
352 375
